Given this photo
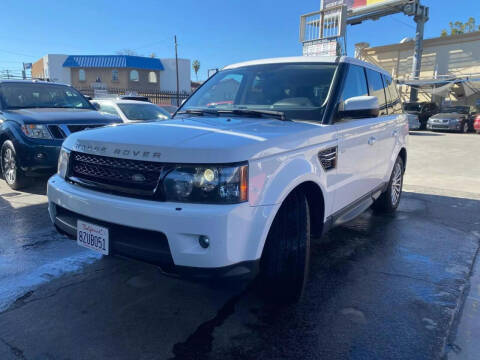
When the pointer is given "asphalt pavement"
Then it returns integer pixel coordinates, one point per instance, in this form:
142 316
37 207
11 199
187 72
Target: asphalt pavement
381 287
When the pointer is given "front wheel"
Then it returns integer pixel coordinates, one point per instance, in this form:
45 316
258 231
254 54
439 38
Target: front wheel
11 171
390 199
286 256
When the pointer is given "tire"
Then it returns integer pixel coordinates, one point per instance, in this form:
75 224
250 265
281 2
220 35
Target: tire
286 256
13 175
388 202
465 127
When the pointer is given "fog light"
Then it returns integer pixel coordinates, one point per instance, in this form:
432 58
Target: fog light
204 241
40 156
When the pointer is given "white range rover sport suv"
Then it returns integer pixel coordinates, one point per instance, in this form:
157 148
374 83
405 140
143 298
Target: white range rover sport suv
264 156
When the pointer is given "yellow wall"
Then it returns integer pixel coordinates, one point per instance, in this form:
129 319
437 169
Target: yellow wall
443 56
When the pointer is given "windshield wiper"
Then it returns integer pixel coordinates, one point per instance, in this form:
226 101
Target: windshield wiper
199 112
280 115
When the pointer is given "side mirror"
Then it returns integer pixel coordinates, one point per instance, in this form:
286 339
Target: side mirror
359 107
183 101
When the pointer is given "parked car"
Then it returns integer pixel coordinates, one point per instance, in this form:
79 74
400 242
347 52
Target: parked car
452 118
476 124
35 118
413 122
131 110
424 110
238 189
169 108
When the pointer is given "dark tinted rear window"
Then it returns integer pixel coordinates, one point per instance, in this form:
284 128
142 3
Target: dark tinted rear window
375 84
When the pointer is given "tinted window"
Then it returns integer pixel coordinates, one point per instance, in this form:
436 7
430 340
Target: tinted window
375 84
355 83
298 90
394 102
106 108
38 95
143 112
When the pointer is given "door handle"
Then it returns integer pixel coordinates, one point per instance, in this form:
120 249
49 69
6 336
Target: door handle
372 140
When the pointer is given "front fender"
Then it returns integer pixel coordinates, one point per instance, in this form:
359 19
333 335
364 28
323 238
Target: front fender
272 180
271 188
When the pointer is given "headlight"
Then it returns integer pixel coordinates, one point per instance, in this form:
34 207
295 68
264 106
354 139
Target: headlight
36 131
63 162
207 184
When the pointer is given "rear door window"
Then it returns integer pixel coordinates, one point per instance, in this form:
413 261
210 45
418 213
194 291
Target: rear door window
394 103
376 87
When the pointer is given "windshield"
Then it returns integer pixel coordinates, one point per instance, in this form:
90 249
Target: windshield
143 112
297 90
455 109
412 107
34 95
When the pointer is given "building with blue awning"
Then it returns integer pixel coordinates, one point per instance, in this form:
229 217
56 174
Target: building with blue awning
134 73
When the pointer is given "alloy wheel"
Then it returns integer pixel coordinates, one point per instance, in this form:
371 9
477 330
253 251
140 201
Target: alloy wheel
9 166
396 184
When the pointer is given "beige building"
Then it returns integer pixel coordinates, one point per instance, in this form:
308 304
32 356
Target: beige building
450 66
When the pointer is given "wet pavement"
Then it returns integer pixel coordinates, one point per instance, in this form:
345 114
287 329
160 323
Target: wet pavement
381 287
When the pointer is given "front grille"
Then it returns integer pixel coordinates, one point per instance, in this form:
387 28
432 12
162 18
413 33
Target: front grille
57 132
62 131
133 177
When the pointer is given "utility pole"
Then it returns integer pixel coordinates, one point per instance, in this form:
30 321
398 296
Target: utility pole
176 67
421 17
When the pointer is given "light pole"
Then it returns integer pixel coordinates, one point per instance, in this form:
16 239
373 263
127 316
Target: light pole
176 67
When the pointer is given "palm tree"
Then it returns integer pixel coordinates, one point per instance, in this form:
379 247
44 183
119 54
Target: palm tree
196 67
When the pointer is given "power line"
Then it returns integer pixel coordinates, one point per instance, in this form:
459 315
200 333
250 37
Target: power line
16 53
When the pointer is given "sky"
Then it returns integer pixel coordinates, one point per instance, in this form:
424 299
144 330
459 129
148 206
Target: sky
215 32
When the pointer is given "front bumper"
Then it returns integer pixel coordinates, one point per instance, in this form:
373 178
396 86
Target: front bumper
38 157
167 234
444 126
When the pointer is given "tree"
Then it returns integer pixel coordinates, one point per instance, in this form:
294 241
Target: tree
196 67
458 27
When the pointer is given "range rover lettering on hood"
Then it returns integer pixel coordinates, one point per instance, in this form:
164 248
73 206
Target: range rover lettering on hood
116 151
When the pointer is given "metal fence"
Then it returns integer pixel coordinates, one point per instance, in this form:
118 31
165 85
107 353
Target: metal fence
156 97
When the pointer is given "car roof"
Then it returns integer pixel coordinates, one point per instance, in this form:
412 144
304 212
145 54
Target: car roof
308 60
34 81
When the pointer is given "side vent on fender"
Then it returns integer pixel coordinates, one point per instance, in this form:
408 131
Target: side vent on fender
328 158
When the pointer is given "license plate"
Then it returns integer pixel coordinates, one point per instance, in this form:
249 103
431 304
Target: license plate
92 236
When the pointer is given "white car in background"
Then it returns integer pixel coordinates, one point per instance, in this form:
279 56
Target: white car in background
131 110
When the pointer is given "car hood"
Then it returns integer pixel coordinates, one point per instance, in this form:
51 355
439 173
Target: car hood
448 116
199 139
59 116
